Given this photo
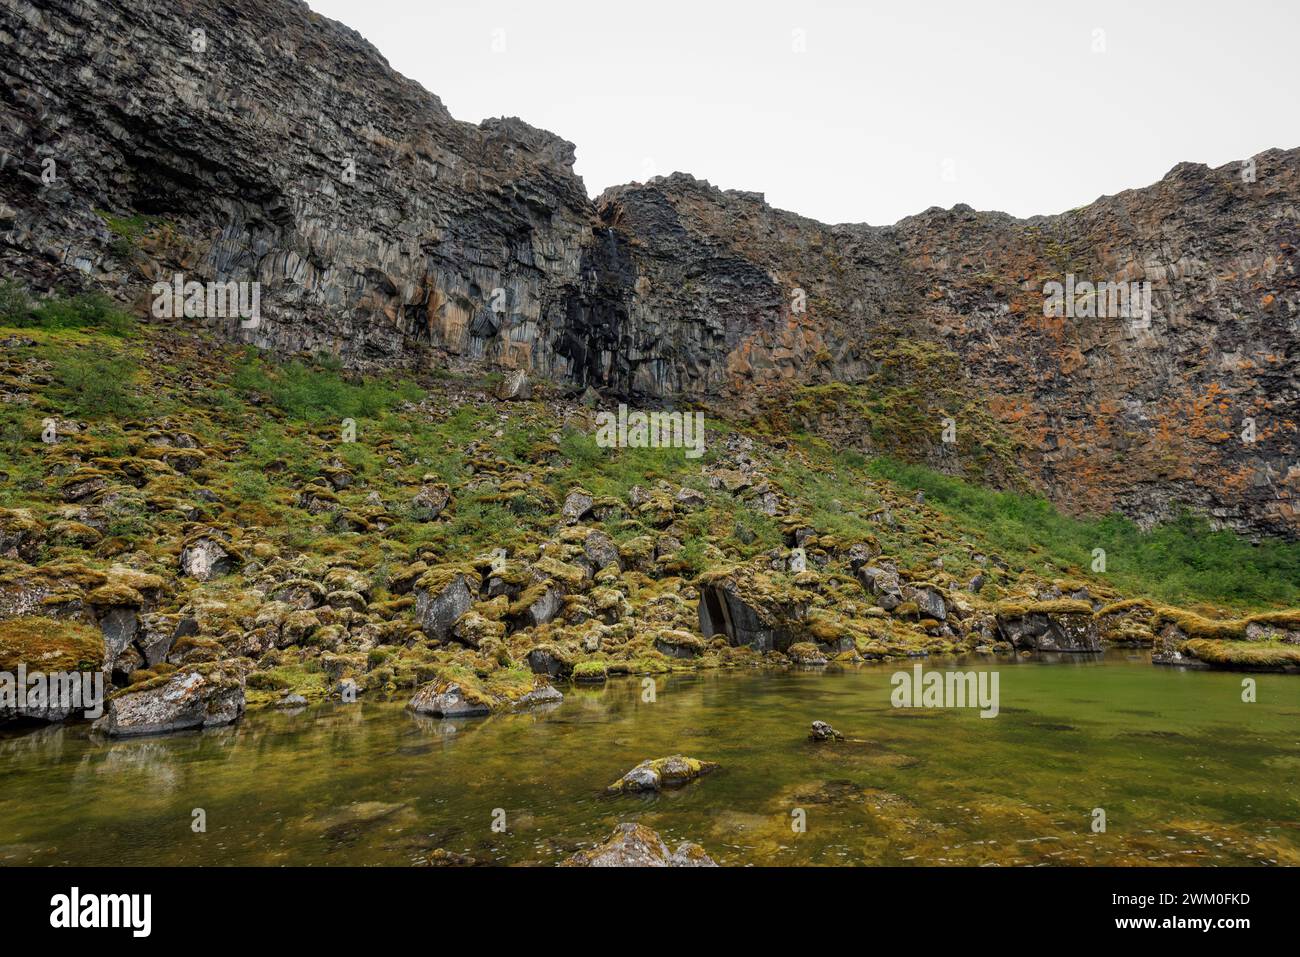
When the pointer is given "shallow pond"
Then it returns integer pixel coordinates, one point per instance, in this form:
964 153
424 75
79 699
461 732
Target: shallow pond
1183 769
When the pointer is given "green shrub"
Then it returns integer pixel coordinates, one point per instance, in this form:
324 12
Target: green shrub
318 392
1183 560
96 385
86 310
15 304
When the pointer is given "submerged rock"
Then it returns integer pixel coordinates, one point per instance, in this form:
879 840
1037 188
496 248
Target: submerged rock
659 773
543 697
203 696
635 845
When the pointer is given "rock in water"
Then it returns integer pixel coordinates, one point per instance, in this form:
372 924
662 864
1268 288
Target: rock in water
821 731
446 699
659 773
1060 625
203 696
635 845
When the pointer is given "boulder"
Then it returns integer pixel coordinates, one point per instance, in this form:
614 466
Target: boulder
472 629
22 536
601 550
515 386
750 608
678 644
205 557
200 696
635 845
538 605
929 601
821 731
577 505
806 653
1061 625
429 502
441 597
547 660
659 773
881 582
446 699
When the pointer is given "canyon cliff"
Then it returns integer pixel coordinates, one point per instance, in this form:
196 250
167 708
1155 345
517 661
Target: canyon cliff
254 140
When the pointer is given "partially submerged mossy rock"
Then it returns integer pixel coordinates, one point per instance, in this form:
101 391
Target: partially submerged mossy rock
1269 641
192 697
458 693
678 644
447 699
1060 625
592 671
1244 655
806 653
659 773
635 845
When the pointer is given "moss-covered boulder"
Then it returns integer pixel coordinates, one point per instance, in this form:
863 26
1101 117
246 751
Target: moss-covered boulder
635 845
678 644
22 535
1060 625
192 697
806 653
659 773
750 607
882 583
442 595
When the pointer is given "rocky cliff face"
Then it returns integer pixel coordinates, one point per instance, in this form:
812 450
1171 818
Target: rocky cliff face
278 146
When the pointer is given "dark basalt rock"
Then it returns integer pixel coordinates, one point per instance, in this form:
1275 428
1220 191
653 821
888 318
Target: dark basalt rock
1050 629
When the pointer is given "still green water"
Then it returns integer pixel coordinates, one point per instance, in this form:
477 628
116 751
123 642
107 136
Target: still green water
1185 771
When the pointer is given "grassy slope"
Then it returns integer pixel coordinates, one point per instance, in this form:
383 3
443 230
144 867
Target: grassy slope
102 371
268 432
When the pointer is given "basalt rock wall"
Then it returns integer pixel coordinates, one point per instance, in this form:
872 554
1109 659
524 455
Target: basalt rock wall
253 140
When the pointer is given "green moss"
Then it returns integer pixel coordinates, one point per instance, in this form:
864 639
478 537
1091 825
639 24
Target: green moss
1264 655
46 644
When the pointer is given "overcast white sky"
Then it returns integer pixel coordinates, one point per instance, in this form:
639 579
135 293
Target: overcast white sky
891 108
